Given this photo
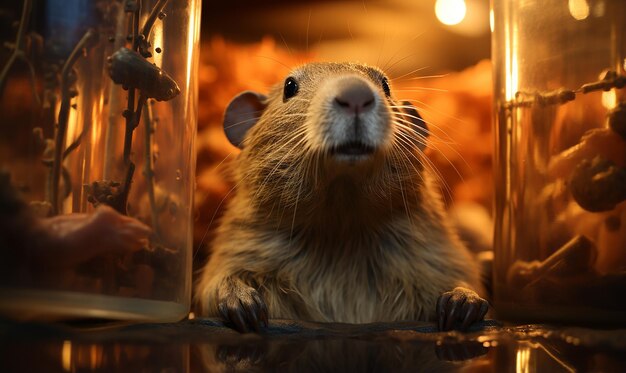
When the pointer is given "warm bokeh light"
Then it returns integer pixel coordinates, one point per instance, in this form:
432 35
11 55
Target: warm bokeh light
579 9
66 356
523 359
609 99
450 12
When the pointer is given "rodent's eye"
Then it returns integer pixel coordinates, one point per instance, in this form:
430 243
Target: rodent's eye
385 84
291 88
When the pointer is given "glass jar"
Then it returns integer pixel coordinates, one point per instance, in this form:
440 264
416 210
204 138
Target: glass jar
560 235
97 159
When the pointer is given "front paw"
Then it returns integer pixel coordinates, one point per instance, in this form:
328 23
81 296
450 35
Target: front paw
242 306
460 305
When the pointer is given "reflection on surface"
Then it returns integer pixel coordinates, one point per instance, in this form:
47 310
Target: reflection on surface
531 356
209 346
72 356
337 355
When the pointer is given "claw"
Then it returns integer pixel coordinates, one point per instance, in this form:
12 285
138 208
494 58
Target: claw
237 318
251 312
222 310
242 306
461 306
484 307
261 307
441 311
470 316
457 302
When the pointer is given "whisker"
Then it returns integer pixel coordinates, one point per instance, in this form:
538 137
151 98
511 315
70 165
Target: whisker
292 115
295 209
419 138
433 146
404 202
428 77
448 145
289 115
431 125
299 99
222 161
289 152
426 162
285 42
411 72
273 59
420 89
400 148
382 46
432 166
215 214
241 122
404 153
435 110
406 160
409 125
350 31
404 45
308 24
319 40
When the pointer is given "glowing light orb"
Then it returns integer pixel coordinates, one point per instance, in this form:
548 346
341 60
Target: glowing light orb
450 12
579 9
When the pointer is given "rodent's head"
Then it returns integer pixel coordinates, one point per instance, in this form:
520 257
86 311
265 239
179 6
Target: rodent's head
324 119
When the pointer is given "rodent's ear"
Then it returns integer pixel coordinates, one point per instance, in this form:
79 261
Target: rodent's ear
242 113
419 125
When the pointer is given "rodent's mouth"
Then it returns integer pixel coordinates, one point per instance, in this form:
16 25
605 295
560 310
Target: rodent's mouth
352 148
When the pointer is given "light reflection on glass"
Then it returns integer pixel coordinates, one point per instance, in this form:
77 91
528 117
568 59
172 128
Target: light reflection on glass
511 64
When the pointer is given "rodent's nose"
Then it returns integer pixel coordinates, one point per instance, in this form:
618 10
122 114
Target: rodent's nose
354 95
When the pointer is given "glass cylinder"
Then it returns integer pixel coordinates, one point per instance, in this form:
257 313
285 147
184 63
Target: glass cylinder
97 167
560 236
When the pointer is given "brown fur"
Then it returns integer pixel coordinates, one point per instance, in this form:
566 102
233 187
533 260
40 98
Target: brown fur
327 242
